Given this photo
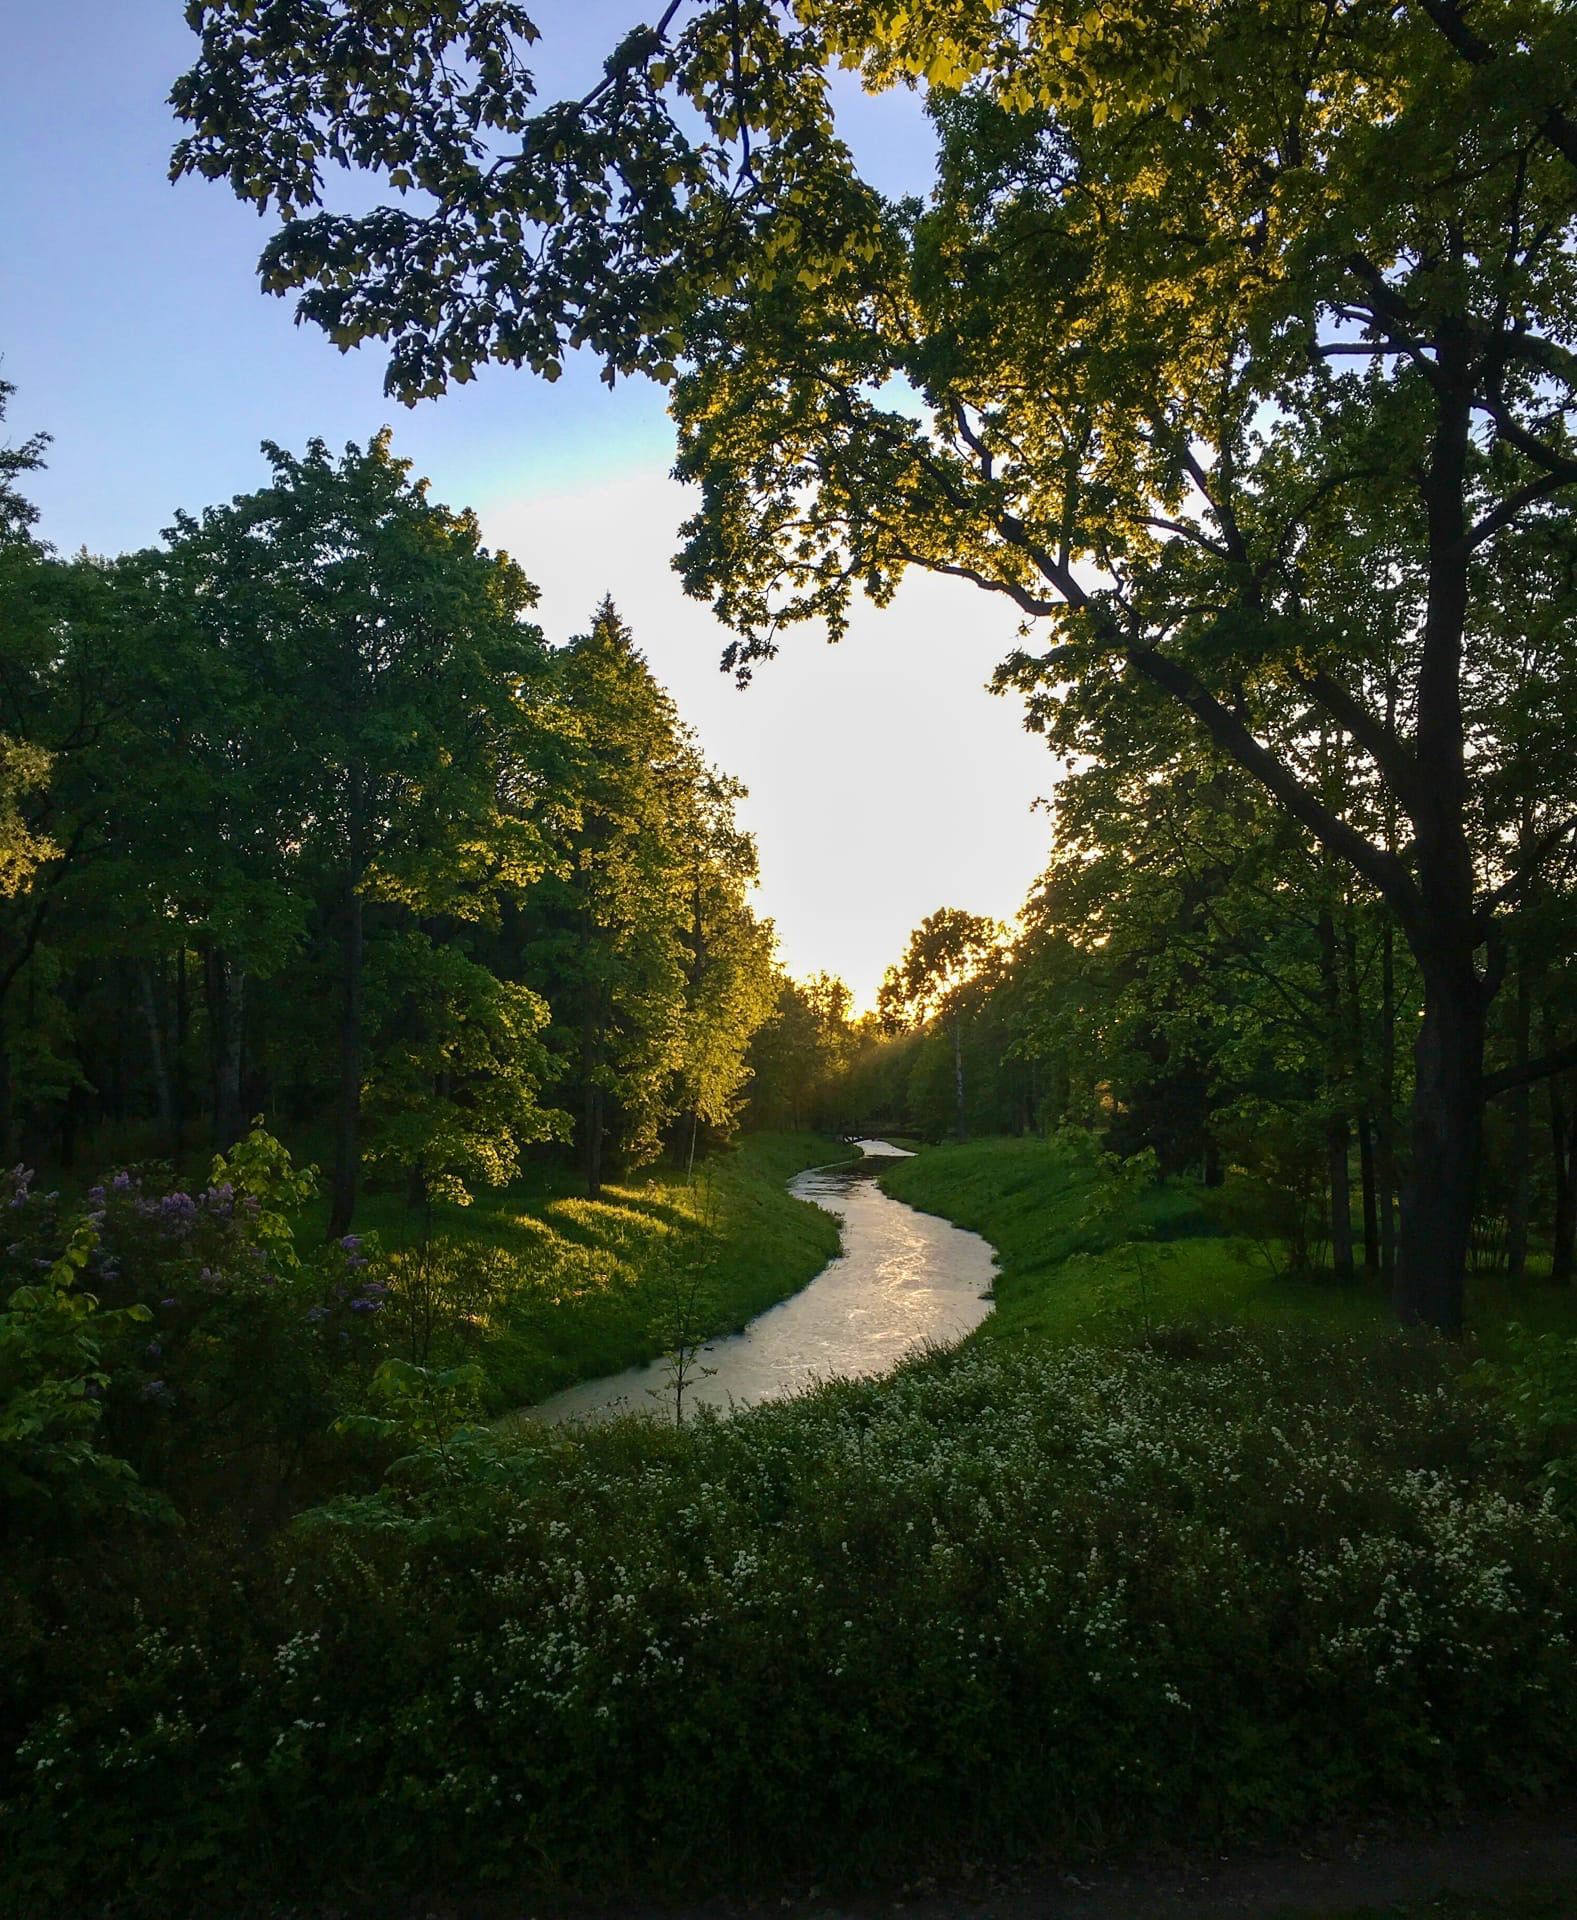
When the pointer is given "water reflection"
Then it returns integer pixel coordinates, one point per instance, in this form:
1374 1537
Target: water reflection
903 1279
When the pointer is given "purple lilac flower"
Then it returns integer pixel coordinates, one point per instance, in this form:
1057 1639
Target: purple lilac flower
171 1302
96 1195
122 1183
317 1313
21 1182
155 1390
153 1350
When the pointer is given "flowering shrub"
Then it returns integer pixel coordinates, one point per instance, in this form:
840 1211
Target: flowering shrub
1217 1582
225 1354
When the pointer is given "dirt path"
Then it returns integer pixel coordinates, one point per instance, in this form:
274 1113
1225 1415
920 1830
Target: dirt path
1330 1876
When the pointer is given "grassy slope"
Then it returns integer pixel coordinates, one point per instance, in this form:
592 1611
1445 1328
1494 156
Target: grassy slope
581 1291
1057 1279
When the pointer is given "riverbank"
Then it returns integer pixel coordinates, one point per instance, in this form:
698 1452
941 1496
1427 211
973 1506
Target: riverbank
1065 1273
904 1281
544 1287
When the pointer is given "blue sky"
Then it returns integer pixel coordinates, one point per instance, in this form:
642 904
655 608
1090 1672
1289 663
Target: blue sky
133 329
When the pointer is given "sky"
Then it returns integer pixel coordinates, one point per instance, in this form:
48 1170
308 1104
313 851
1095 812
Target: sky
885 781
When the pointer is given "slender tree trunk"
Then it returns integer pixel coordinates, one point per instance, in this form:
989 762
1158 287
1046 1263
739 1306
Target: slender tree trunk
958 1074
182 1021
155 1025
593 1109
347 1122
1361 1080
226 987
1519 1202
1338 1152
1437 1214
595 1125
1563 1138
1373 1258
1338 1133
1385 1119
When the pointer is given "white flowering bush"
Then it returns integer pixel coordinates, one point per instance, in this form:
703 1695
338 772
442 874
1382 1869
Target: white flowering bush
1214 1583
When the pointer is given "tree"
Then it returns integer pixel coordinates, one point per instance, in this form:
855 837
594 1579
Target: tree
1194 287
607 920
729 986
390 650
948 954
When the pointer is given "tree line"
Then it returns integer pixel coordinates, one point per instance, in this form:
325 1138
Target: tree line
1195 977
302 816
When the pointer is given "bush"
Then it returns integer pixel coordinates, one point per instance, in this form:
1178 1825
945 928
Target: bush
209 1357
1215 1583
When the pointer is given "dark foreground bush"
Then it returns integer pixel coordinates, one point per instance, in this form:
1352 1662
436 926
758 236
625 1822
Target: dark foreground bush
1221 1583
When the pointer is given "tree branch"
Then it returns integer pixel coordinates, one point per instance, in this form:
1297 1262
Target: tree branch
1492 1085
1558 128
1382 870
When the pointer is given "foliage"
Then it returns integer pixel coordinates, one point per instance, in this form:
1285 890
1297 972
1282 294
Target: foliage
1017 1596
53 1472
1537 1379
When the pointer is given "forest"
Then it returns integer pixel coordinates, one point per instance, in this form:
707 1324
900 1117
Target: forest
306 820
391 1035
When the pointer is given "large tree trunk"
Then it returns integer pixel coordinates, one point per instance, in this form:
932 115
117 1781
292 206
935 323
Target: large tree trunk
1437 1207
958 1075
347 1120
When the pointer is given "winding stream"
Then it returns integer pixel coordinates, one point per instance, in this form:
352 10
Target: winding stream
903 1280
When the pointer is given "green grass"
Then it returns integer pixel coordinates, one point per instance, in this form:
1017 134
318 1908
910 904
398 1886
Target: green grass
1059 1279
578 1281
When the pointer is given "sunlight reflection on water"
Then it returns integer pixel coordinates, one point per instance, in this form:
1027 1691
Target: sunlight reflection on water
903 1280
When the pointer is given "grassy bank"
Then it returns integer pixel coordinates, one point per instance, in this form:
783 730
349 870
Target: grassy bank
1066 1274
546 1287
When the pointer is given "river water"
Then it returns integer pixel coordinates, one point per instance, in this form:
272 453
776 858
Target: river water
903 1280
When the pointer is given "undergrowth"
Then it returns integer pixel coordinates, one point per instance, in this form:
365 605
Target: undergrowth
1218 1582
